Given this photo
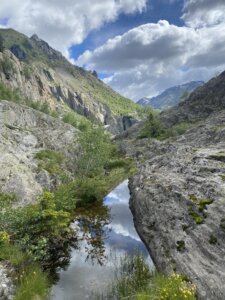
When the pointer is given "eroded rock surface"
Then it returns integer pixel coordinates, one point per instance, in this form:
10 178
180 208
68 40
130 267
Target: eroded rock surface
174 179
23 133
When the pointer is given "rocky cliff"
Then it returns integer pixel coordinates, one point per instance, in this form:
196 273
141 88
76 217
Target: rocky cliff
24 132
178 193
43 74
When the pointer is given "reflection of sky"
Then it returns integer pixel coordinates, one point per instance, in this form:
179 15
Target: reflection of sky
83 276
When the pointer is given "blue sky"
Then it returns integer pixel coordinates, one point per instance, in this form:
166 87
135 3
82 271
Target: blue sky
138 47
155 11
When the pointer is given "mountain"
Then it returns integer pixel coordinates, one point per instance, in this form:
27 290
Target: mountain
171 96
42 74
177 194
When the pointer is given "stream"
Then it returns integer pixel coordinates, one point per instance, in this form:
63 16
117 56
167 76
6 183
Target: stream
105 233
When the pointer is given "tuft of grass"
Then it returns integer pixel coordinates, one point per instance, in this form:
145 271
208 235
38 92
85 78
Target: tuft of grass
32 285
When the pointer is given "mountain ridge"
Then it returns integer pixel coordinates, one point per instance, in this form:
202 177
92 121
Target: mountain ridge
171 96
43 74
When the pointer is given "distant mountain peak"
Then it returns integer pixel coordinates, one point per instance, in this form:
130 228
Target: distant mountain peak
171 96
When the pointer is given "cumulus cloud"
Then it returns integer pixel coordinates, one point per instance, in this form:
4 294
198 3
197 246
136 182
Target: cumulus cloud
200 13
149 58
157 44
64 23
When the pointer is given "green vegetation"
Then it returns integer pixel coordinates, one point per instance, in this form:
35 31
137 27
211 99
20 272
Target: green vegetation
80 80
77 121
197 211
198 218
36 229
134 281
51 161
201 202
174 287
153 128
29 278
15 96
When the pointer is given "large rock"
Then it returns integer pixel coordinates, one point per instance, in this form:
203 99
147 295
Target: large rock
23 133
165 199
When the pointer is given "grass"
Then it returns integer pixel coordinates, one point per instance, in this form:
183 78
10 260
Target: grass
134 281
174 287
33 285
30 280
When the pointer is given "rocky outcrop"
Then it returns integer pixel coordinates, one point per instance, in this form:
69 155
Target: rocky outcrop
7 288
23 133
177 196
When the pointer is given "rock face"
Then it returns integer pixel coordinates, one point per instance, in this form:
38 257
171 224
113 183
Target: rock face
23 133
177 196
43 74
171 96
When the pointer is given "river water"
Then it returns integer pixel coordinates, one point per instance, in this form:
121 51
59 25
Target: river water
106 233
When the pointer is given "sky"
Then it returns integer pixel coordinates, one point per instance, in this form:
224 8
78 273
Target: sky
138 47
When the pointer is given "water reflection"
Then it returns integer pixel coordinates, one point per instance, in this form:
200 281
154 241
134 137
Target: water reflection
106 233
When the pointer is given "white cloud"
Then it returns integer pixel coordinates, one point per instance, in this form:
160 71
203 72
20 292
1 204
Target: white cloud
152 57
67 22
201 13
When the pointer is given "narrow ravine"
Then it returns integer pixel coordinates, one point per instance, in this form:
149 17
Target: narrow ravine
105 237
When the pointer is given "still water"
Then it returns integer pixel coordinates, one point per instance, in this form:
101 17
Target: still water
105 233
